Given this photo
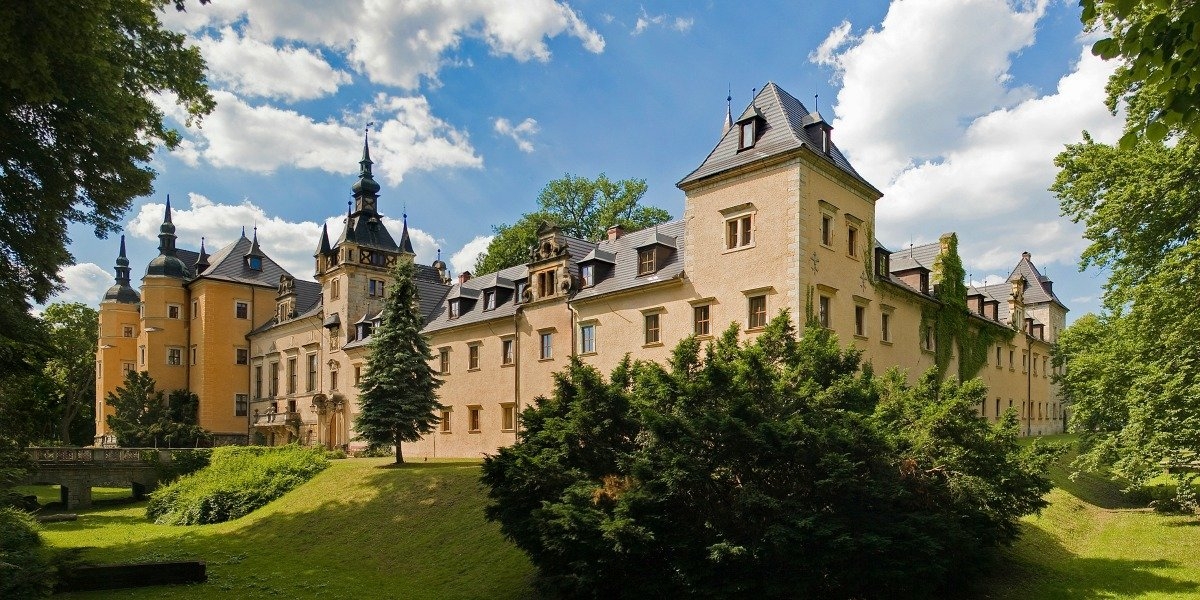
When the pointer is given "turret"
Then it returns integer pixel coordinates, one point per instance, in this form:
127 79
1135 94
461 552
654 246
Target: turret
121 291
167 263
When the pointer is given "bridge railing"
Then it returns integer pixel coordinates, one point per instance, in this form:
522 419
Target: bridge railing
99 455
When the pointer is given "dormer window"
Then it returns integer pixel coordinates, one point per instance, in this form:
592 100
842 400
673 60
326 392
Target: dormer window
747 138
587 273
646 261
454 309
254 263
522 286
489 300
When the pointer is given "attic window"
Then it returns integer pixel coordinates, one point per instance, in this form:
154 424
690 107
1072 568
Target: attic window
587 275
489 300
747 139
646 261
454 309
254 263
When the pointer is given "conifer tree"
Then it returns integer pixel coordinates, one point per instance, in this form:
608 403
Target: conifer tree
399 391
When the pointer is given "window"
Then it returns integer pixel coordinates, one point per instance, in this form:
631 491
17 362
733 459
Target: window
254 263
757 313
545 284
357 374
852 240
335 289
646 263
747 139
444 421
739 232
273 382
444 361
241 402
291 406
587 275
333 380
172 311
1024 361
885 326
195 308
291 375
651 328
126 367
310 383
1043 366
242 356
489 300
826 230
258 381
508 416
860 321
174 356
997 408
927 337
142 353
701 320
547 346
127 331
587 338
1035 365
375 288
454 309
241 310
473 419
473 357
823 307
192 355
521 287
997 357
1011 360
506 352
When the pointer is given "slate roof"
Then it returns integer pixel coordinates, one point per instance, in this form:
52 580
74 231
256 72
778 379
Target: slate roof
789 126
1039 289
228 264
368 231
505 305
624 273
916 256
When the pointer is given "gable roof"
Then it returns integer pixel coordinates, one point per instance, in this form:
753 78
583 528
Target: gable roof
1039 288
787 126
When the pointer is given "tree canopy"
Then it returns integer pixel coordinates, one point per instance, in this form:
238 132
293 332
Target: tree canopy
79 121
144 417
398 391
582 208
776 468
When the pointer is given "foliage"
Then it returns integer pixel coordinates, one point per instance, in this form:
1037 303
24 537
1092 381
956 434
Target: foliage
143 417
70 372
1159 71
183 462
80 124
399 391
777 456
25 567
1141 208
237 481
582 208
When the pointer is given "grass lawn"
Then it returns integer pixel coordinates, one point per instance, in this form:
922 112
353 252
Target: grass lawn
360 529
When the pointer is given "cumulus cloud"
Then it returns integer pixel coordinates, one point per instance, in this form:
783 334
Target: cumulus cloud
646 21
255 68
84 282
464 259
403 43
963 146
519 133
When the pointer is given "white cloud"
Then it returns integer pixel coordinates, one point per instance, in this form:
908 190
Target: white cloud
519 133
646 20
401 43
255 68
84 282
826 53
464 259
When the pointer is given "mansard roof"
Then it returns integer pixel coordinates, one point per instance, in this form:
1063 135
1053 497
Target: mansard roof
785 127
624 249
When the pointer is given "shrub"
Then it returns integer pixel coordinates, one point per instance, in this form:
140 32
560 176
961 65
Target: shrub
238 480
1165 494
25 569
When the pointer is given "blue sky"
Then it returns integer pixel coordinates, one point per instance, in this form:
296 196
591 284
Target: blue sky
954 109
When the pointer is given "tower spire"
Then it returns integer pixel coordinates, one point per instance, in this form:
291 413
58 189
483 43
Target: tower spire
122 268
406 246
202 260
728 111
366 190
166 232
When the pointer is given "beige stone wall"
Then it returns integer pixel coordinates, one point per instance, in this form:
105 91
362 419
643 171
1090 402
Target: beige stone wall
116 353
160 332
295 340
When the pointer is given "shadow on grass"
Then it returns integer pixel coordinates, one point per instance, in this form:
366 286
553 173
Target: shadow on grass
1039 566
409 531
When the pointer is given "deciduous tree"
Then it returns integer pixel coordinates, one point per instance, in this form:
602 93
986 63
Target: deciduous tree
70 373
145 417
399 390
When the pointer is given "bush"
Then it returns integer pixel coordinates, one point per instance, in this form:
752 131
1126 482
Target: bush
25 569
1165 494
237 480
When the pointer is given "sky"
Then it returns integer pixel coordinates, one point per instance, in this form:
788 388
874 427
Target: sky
954 109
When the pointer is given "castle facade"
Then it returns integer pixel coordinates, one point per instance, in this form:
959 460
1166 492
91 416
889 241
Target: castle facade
776 218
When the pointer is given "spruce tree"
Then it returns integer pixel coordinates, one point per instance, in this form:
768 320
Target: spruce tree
399 391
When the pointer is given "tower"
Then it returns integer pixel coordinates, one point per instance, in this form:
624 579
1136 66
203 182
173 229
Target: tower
116 351
163 339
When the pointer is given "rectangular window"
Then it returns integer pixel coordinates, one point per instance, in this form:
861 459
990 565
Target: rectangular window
310 382
291 376
258 381
508 417
927 341
174 356
739 232
126 367
454 309
521 287
823 308
860 321
997 408
701 321
747 140
1024 361
444 422
142 354
997 357
273 382
757 314
241 404
1035 365
473 419
587 339
506 352
127 331
444 361
375 288
335 289
651 328
195 308
489 300
547 346
242 356
333 380
172 311
472 357
192 355
885 326
1043 366
852 240
241 310
646 264
826 230
357 374
1011 360
587 275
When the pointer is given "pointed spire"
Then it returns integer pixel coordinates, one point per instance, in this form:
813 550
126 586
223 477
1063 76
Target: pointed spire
166 232
254 249
122 268
728 112
202 260
406 246
323 247
365 187
243 231
120 291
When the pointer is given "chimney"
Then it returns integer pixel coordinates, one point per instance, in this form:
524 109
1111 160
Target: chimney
615 232
464 277
1026 255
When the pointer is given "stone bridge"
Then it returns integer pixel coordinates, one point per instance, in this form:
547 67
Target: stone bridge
78 470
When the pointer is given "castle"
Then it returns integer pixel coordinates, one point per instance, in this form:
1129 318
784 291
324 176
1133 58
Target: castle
775 218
